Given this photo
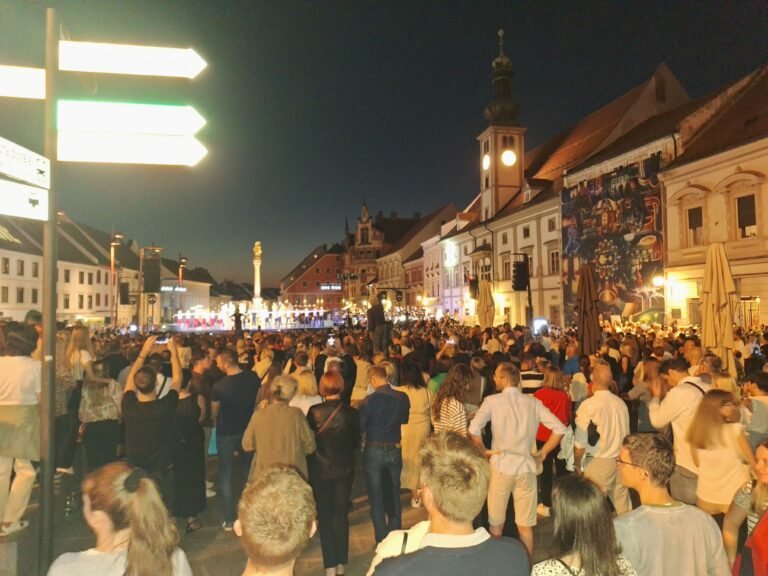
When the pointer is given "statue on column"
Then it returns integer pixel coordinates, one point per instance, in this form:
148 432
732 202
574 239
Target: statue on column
257 276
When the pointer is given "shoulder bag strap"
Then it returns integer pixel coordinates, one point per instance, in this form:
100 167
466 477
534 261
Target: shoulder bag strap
570 570
328 420
699 388
162 387
405 542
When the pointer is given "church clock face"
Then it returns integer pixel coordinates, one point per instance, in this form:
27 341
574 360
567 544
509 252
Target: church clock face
508 157
486 162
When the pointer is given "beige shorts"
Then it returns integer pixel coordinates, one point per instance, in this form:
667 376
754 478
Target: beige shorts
522 487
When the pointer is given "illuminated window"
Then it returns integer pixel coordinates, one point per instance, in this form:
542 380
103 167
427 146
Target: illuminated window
506 269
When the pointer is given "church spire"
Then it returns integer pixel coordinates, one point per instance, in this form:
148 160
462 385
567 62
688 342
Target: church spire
502 110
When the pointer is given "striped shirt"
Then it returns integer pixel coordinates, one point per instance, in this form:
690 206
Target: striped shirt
530 381
452 417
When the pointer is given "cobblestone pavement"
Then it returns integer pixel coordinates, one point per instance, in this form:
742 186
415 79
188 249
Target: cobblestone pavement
211 551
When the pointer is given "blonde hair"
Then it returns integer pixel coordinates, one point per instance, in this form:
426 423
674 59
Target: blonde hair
553 378
81 340
706 429
276 512
724 381
283 388
456 474
306 383
131 500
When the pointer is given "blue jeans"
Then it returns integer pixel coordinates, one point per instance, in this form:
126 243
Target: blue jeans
226 447
380 460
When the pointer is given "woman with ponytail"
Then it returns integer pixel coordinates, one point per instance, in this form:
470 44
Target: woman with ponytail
135 535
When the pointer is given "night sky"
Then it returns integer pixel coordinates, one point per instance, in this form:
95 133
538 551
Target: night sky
315 106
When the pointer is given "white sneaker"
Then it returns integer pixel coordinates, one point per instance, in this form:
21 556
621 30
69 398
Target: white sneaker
210 493
543 510
209 484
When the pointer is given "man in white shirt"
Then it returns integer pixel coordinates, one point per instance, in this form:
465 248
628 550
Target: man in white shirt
678 409
664 536
609 413
514 419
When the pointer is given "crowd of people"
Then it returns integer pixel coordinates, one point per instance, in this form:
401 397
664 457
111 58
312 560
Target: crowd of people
648 455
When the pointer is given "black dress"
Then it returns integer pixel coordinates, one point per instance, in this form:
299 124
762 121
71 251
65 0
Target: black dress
189 460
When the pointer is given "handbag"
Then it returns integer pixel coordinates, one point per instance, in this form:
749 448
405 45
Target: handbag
328 420
593 436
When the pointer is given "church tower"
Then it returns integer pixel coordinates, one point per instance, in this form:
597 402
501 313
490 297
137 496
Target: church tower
502 144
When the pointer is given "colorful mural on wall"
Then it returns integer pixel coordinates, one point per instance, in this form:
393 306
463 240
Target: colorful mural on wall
614 221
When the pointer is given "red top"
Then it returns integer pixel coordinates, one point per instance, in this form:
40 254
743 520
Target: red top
559 403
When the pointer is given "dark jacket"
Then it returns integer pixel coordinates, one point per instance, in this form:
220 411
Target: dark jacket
336 446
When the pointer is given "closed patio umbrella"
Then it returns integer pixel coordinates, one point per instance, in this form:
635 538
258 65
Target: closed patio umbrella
486 308
587 312
719 303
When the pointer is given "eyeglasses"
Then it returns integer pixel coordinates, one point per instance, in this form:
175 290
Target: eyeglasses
620 461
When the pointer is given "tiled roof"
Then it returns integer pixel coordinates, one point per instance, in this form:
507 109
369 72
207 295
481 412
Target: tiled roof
13 239
742 120
415 256
421 224
393 228
303 266
576 144
193 274
652 129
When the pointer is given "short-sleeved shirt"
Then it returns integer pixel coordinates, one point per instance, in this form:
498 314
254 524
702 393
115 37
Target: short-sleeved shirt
150 431
236 395
19 380
78 360
94 563
743 499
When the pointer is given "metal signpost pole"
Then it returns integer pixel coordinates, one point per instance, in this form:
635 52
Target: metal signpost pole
47 464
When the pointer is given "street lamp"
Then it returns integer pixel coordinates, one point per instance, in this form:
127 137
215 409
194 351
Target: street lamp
114 243
182 267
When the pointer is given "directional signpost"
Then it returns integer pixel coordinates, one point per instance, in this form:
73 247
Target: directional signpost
29 197
86 132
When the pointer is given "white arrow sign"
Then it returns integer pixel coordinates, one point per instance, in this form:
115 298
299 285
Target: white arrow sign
21 82
126 118
22 164
23 200
129 59
130 148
